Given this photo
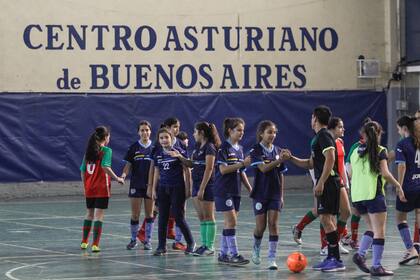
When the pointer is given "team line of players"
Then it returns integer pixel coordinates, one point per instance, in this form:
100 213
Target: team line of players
164 177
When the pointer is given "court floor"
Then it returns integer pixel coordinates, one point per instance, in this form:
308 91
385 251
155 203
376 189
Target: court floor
39 239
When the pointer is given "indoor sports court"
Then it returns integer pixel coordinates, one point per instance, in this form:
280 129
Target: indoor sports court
216 139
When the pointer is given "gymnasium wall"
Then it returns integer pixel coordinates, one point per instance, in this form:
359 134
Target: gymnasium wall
191 46
43 136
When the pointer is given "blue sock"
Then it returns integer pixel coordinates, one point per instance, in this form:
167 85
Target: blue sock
231 241
405 235
149 229
257 241
365 243
224 249
178 234
273 240
378 250
134 226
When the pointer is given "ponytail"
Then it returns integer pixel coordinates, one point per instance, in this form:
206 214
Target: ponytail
210 132
93 148
372 130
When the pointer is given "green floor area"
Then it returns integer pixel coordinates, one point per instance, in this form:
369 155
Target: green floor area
40 239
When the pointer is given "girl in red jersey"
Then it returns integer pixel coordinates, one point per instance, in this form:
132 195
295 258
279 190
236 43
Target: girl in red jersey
96 172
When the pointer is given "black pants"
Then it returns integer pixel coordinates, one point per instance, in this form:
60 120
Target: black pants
172 200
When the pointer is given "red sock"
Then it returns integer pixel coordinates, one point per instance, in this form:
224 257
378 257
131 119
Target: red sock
354 227
171 228
341 226
324 242
141 235
416 233
345 232
306 220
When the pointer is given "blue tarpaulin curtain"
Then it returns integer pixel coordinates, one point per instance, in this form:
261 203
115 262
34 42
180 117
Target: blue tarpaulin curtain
43 136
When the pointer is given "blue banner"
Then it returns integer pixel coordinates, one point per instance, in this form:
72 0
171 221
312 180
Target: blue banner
43 136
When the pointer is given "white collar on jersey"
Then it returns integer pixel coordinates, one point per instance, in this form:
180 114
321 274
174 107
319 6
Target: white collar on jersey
236 146
147 145
267 149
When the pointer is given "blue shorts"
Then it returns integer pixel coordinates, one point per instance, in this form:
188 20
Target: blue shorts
413 202
262 206
208 193
138 192
376 205
224 204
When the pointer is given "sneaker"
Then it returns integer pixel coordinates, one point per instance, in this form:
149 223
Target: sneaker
133 244
200 251
256 255
84 245
178 246
223 259
409 255
323 251
189 250
333 265
380 271
208 252
342 249
297 235
159 252
272 265
95 249
321 265
360 261
147 246
354 244
238 260
346 240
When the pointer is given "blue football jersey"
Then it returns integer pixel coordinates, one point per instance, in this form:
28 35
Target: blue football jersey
198 158
266 185
170 168
228 184
407 153
139 156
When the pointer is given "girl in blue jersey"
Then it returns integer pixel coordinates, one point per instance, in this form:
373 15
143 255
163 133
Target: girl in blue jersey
202 161
174 125
171 191
268 190
138 159
227 192
407 157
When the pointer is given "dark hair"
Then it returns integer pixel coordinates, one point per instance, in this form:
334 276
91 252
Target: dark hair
322 114
169 122
366 120
93 148
409 122
262 126
210 132
333 123
416 134
231 123
182 135
162 130
372 130
144 122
